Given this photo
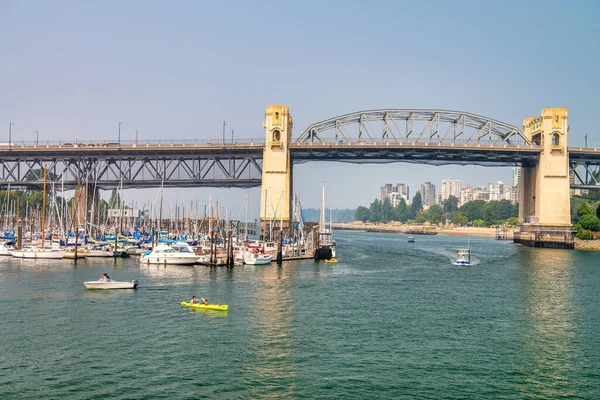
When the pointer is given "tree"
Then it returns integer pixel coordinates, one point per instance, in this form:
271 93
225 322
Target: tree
362 214
451 204
460 218
401 211
584 210
416 205
473 209
434 214
590 222
386 211
504 210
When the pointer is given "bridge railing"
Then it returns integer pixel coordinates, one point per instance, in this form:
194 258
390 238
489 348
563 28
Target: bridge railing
427 143
132 143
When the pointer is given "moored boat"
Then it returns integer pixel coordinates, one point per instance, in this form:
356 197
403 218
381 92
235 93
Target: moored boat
110 284
215 307
35 252
411 239
163 254
257 259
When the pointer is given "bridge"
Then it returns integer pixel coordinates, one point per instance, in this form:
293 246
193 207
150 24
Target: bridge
436 137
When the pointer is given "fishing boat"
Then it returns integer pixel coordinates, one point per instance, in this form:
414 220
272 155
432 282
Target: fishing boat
110 284
411 239
215 307
463 257
257 259
164 254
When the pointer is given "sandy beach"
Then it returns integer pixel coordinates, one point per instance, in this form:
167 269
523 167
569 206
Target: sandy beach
395 227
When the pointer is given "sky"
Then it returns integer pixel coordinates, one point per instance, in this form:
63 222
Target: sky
74 69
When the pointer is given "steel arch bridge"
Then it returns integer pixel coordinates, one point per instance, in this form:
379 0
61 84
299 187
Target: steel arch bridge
414 126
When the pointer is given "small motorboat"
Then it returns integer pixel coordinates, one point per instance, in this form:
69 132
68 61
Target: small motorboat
110 284
258 259
411 239
332 260
164 254
215 307
463 257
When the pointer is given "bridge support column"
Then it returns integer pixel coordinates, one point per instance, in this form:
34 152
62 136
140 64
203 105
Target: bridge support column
276 190
85 206
544 204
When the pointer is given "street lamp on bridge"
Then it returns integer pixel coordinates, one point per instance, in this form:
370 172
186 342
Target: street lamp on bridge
224 123
120 123
37 137
10 125
232 136
136 136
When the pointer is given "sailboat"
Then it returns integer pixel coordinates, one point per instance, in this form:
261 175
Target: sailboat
326 248
40 252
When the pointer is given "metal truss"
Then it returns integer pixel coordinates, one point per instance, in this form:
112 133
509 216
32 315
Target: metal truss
414 126
139 170
584 166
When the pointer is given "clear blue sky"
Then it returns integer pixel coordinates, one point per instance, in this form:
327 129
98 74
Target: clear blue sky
74 69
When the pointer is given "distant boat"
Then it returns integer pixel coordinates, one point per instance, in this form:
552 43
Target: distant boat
257 259
411 239
463 257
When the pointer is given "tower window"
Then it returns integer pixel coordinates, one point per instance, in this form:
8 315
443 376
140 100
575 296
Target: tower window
556 118
276 136
555 139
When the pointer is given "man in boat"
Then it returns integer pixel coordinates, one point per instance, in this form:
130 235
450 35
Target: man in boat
194 300
105 277
205 301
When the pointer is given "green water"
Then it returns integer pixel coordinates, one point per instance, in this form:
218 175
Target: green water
392 320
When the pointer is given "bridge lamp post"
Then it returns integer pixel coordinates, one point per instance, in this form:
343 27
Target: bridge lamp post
586 140
37 137
232 136
10 125
136 136
120 123
224 123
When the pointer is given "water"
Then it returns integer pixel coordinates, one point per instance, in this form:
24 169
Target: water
392 320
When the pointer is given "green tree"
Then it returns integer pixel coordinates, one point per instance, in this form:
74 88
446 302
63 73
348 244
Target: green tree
416 205
473 209
386 211
590 222
584 210
460 218
434 214
362 214
504 210
401 211
450 205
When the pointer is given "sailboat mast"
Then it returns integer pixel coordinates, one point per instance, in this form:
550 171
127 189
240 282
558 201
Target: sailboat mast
322 219
44 210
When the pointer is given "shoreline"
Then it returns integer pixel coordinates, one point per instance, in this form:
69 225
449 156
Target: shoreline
394 227
423 229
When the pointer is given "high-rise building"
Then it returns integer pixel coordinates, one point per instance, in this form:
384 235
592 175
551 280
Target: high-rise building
384 191
499 191
516 176
428 194
403 191
450 187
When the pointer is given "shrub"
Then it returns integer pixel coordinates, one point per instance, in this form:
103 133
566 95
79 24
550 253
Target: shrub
584 234
590 222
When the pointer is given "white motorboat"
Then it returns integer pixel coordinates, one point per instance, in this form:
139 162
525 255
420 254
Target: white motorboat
257 259
35 252
110 284
98 251
463 257
163 254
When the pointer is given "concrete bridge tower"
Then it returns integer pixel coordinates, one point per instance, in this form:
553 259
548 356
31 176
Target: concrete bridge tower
544 192
276 196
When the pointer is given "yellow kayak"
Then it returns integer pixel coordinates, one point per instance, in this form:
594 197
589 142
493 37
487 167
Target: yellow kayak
217 307
332 260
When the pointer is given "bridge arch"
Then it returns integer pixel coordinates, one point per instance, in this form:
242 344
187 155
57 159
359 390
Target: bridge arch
414 126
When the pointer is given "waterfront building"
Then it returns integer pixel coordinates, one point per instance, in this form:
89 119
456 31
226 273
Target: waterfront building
394 193
514 194
428 194
516 176
384 191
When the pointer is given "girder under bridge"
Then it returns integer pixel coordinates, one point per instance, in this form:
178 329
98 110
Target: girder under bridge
133 165
585 168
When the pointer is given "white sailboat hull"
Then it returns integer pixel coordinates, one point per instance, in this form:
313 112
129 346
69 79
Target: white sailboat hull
258 260
38 254
169 259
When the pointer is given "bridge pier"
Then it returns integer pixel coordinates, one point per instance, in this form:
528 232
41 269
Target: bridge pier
84 208
276 196
544 203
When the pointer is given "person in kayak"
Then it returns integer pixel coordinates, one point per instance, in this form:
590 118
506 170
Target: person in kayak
194 301
205 301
